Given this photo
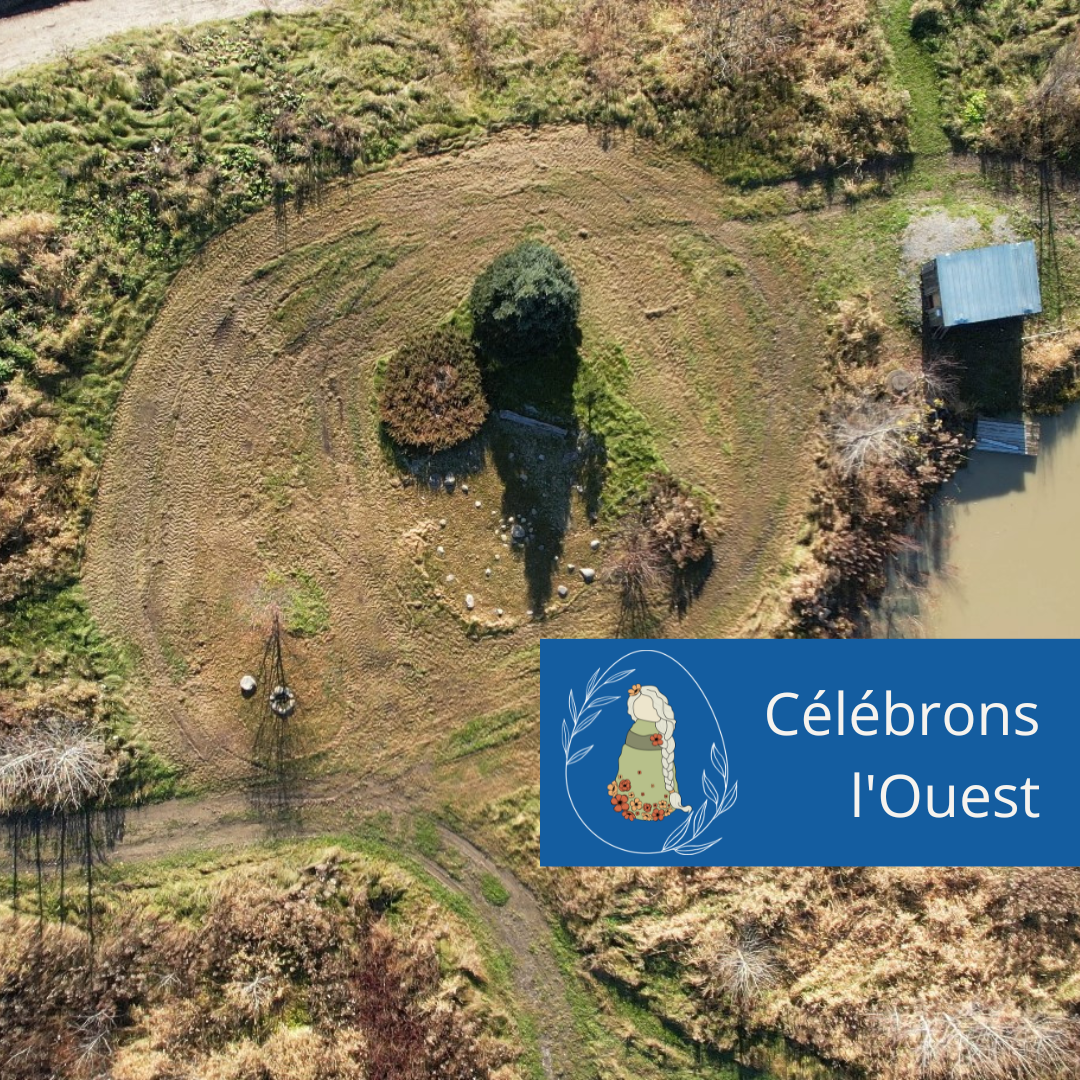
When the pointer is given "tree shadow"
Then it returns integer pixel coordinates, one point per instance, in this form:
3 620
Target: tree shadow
688 583
538 469
542 458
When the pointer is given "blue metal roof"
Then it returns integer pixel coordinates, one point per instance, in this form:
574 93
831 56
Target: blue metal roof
999 282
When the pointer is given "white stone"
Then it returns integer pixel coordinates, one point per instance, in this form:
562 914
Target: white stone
449 578
595 545
564 591
442 523
487 572
440 550
499 612
248 685
570 568
478 504
470 602
497 556
518 533
464 489
588 575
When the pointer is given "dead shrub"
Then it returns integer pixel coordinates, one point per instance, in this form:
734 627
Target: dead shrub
734 39
870 433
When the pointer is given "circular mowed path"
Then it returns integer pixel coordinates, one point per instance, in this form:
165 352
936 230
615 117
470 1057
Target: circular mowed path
245 466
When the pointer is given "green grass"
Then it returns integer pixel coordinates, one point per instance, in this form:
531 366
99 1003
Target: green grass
50 634
307 613
918 75
485 732
427 839
628 441
493 890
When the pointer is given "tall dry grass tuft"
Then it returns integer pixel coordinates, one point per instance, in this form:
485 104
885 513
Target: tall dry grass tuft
980 1042
58 764
739 968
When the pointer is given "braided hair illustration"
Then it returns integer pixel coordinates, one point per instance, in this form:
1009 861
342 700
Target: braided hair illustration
649 700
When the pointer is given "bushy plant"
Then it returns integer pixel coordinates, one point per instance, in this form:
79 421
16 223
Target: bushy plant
525 304
432 397
677 523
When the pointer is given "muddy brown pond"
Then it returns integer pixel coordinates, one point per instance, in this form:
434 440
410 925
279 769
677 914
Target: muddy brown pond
998 553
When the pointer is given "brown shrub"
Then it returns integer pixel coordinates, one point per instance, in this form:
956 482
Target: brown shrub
432 397
677 523
856 331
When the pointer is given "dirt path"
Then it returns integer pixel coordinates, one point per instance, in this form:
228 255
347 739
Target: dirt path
42 35
520 926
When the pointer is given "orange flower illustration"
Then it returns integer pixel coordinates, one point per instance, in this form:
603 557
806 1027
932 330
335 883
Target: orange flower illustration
621 804
624 785
635 689
613 787
656 739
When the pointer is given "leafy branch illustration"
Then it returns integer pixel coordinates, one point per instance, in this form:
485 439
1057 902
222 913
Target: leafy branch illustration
681 840
582 718
696 825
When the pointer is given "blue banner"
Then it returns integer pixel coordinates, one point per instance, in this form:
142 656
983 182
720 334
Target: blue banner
809 753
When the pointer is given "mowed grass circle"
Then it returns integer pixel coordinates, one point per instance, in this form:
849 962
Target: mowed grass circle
247 444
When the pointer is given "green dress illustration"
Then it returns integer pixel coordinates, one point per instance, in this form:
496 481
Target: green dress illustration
645 787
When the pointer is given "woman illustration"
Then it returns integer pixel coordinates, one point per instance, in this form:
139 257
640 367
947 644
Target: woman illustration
645 788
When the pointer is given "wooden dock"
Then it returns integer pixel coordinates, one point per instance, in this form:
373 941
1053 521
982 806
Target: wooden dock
1007 437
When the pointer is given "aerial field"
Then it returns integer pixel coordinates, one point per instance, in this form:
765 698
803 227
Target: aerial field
246 474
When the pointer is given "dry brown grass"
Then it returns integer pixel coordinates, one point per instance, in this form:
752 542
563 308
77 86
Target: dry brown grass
974 958
1051 365
280 976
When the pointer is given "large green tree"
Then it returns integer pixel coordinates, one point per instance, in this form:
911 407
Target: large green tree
525 304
